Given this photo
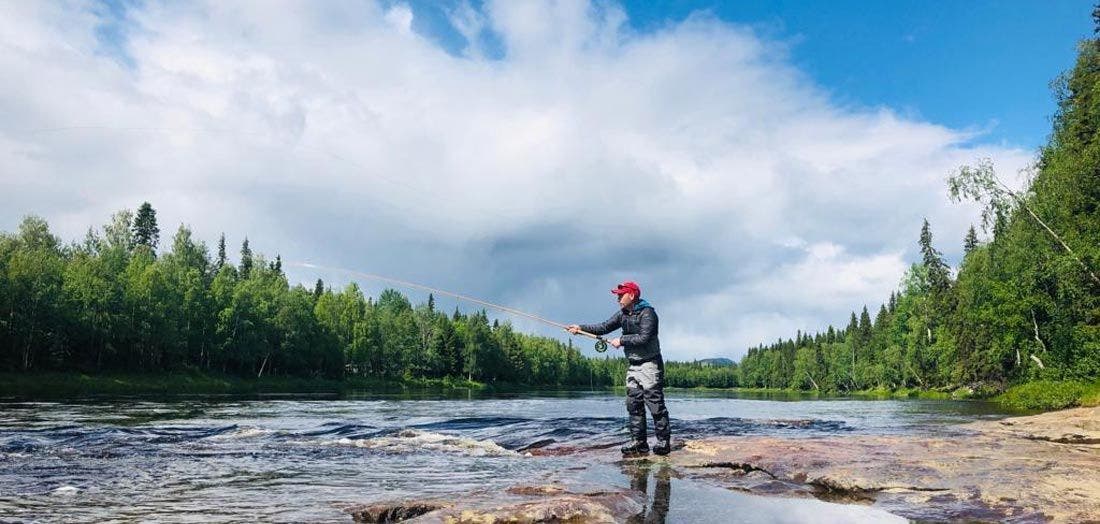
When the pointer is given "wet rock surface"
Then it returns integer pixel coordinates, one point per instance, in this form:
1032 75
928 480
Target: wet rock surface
387 512
1040 468
520 504
1025 469
1073 426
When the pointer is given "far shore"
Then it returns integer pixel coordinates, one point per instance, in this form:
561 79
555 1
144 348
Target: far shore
1028 397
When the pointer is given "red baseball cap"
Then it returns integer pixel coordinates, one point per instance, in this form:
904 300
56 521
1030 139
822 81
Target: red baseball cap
628 287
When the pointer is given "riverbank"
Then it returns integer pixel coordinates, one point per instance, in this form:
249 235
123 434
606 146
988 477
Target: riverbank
1045 395
1041 395
1028 397
67 385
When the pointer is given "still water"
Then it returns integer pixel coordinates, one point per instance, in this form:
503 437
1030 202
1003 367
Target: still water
287 459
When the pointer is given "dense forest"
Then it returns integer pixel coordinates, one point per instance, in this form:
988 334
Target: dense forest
1023 305
113 303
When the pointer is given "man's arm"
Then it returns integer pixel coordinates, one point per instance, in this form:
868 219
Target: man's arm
647 329
605 327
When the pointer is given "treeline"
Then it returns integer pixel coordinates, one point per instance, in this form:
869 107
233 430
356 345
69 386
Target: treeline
1023 305
112 303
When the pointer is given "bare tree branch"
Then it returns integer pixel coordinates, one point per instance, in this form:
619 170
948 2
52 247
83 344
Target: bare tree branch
982 185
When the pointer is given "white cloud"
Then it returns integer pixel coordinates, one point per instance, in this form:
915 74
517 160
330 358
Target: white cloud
400 17
695 159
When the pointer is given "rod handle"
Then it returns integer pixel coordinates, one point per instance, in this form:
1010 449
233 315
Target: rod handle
589 335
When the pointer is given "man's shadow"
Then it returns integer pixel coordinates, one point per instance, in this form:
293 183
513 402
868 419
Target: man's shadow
655 510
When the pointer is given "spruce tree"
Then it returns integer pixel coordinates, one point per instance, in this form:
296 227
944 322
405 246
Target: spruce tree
145 230
971 241
938 273
853 325
318 289
864 327
246 259
221 252
881 318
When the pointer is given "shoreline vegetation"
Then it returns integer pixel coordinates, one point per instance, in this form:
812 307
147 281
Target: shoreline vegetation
1029 397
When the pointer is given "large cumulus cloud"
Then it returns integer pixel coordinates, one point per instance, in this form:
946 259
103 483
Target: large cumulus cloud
550 154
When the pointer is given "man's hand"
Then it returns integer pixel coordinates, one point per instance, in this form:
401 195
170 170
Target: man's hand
617 342
573 329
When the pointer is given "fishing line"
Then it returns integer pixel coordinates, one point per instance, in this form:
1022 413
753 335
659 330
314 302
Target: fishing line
601 343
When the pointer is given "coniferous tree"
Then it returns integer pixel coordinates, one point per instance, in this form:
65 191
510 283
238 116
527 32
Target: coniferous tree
971 241
881 318
246 259
318 289
938 273
146 232
864 326
221 253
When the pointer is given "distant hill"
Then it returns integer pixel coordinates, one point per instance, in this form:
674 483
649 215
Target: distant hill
716 361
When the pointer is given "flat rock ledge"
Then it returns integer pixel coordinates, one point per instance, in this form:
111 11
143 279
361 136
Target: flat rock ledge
520 505
1042 468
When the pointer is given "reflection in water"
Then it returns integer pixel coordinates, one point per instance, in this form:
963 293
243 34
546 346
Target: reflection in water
655 509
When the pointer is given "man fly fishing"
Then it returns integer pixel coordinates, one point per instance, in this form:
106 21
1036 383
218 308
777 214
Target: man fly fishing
645 376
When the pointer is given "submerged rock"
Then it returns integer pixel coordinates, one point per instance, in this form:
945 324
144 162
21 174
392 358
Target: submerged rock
603 507
387 512
1040 468
528 504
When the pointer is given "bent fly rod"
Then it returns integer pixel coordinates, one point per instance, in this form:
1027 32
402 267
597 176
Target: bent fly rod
601 343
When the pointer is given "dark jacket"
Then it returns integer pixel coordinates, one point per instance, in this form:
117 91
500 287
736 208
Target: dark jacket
639 326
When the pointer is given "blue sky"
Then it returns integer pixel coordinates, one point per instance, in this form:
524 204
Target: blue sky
981 64
759 167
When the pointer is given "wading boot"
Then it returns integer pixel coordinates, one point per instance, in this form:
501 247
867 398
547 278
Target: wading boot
663 447
638 444
635 448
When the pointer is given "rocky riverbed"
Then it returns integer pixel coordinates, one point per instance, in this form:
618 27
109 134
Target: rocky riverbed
1042 468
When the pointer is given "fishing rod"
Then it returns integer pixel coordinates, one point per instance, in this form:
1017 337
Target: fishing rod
601 343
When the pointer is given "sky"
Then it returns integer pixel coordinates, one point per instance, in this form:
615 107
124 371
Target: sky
759 168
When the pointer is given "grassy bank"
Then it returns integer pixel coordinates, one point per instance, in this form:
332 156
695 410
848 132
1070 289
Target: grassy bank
55 385
1046 395
812 394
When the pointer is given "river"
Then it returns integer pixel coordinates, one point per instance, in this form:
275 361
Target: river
292 459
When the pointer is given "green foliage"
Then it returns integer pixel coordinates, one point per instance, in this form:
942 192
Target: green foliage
700 374
1024 307
110 306
146 232
1044 395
